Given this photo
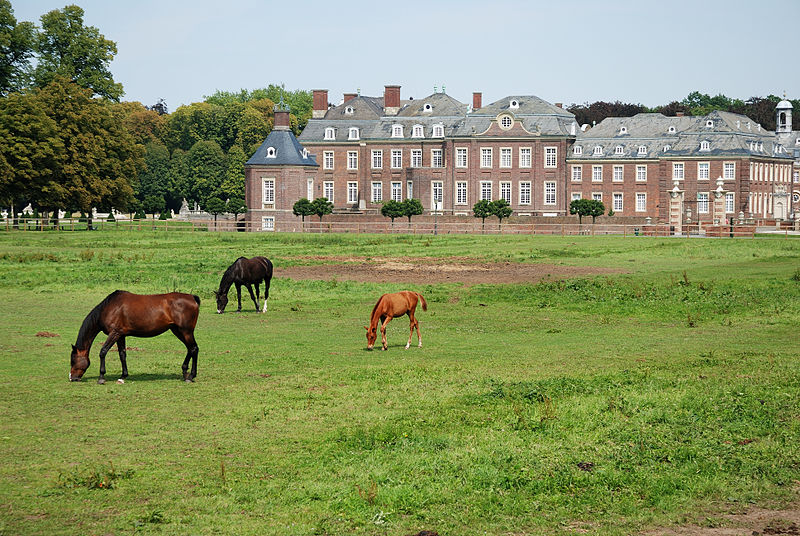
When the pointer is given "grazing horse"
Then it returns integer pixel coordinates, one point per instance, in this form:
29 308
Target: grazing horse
246 272
390 306
121 314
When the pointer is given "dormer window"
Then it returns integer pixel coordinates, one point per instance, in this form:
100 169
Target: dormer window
577 149
797 141
305 153
397 131
709 124
623 130
761 146
752 146
513 104
427 108
353 133
642 150
349 110
330 133
671 130
438 131
618 149
506 122
270 152
417 132
667 148
598 151
705 145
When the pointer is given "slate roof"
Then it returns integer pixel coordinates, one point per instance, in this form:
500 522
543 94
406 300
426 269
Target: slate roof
441 104
526 105
288 151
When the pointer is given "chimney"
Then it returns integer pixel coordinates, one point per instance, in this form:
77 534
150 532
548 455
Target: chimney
476 100
560 105
320 103
350 96
281 118
678 114
391 100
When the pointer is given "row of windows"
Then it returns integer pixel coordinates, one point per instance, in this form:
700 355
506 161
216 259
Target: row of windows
598 150
703 170
417 131
616 176
437 158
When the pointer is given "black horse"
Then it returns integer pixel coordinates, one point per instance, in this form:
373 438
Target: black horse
246 272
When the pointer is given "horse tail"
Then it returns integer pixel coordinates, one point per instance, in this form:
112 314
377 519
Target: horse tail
424 303
196 298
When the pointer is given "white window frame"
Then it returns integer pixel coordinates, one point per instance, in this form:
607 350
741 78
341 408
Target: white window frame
549 192
352 191
416 158
577 150
397 131
462 160
437 195
327 160
352 160
642 150
678 171
525 190
486 157
506 122
597 196
396 191
550 157
619 150
525 157
486 191
505 157
268 190
702 203
438 131
268 223
641 202
729 170
705 145
409 189
376 191
462 192
437 158
576 196
353 133
597 173
577 173
703 168
598 150
310 188
617 201
417 131
617 173
505 191
397 158
377 159
330 133
641 173
327 190
730 202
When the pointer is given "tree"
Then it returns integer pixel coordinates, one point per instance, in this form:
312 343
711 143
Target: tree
303 207
233 183
236 206
594 208
597 111
501 209
412 207
215 206
206 167
322 206
577 206
17 40
153 203
80 53
482 209
392 209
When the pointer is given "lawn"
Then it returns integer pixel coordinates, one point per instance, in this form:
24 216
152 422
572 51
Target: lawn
612 403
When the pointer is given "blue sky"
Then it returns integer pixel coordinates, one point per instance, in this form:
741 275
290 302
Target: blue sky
572 52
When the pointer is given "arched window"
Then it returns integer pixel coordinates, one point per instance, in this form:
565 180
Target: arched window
417 131
397 131
330 133
270 152
353 134
618 149
705 145
577 149
598 150
438 131
642 149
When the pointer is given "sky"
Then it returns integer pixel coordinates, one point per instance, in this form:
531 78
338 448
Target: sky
637 51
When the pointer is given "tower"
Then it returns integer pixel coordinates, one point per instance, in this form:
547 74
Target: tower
783 116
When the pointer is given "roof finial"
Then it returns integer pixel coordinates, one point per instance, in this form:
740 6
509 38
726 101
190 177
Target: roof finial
435 89
281 103
443 91
358 91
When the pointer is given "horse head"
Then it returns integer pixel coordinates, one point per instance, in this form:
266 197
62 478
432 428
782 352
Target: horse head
372 335
79 362
222 301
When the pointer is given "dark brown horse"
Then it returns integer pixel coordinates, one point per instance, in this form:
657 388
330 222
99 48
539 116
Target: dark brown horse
245 272
121 314
390 306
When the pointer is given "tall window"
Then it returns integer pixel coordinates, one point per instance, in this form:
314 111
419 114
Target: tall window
269 191
617 177
461 193
352 133
524 157
550 157
461 157
505 157
409 189
729 202
310 189
416 157
641 173
397 191
417 132
702 202
397 158
486 157
352 192
505 191
377 192
327 190
549 193
352 159
397 131
617 202
702 171
486 190
377 159
438 131
327 160
437 194
597 173
729 170
525 193
330 133
577 173
641 202
436 158
677 171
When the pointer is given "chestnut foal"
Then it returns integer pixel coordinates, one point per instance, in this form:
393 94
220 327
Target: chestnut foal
390 306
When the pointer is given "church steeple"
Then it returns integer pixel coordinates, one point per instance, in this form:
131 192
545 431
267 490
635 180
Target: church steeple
783 116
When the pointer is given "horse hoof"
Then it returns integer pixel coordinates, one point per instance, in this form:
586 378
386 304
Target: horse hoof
101 381
188 380
407 346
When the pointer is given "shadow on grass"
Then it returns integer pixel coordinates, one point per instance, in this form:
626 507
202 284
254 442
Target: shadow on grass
145 377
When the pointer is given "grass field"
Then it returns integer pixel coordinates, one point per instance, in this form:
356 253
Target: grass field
611 404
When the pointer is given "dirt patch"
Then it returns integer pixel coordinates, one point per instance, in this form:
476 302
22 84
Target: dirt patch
755 521
431 270
46 334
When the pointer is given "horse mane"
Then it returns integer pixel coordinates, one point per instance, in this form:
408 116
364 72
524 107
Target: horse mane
90 323
229 276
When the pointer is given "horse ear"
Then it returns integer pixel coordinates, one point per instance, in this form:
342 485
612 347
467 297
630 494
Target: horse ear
73 347
365 327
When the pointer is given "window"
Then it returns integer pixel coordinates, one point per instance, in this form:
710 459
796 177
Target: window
268 223
377 192
642 150
702 171
270 152
377 159
349 110
667 148
677 171
438 131
618 149
524 157
437 194
397 191
623 130
514 104
269 191
729 170
410 189
617 175
486 157
486 190
671 130
597 173
327 190
616 202
729 202
310 189
353 134
305 153
576 196
505 157
598 151
705 146
550 157
416 157
702 202
436 158
397 158
577 173
427 108
597 196
352 192
641 202
549 193
461 193
525 193
330 133
327 160
461 157
577 150
710 124
397 131
641 173
417 132
352 159
506 122
505 191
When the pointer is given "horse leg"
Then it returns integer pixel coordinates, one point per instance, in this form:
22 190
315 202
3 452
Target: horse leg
252 296
239 296
123 355
383 332
112 338
187 338
412 321
419 335
266 294
258 293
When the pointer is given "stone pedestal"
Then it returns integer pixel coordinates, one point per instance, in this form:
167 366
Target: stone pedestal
676 209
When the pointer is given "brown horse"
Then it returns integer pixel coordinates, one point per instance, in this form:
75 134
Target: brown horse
390 306
121 314
245 272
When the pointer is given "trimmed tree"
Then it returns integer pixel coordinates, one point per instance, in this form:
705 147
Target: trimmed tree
303 207
392 209
322 206
482 209
596 208
215 206
236 206
576 206
501 209
412 207
586 207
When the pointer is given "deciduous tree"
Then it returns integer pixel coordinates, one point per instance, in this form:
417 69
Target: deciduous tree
412 207
322 207
17 40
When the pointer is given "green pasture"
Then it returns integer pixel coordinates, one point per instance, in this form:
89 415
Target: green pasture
663 395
